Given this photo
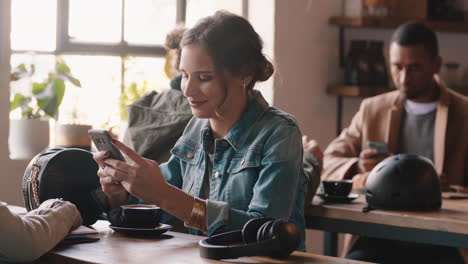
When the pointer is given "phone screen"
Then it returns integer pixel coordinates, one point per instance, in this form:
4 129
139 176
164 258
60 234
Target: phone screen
380 146
103 142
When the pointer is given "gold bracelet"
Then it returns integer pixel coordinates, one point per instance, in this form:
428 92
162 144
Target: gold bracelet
197 216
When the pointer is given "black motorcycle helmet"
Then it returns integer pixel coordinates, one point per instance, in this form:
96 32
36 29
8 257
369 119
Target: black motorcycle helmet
404 182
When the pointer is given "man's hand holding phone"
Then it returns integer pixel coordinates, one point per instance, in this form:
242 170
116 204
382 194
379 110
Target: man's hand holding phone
375 152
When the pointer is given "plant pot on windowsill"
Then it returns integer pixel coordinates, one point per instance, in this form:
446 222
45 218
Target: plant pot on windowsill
36 102
27 138
72 136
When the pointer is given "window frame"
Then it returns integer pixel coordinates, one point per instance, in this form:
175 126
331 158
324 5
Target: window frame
123 49
65 46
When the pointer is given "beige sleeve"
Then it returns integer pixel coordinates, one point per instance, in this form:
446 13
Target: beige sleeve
25 238
342 154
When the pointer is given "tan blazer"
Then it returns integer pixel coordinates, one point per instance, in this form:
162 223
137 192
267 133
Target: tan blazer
378 119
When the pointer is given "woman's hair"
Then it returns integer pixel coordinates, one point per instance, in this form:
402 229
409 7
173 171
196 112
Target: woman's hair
233 44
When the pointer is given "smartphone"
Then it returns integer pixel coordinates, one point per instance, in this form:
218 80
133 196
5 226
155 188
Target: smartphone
103 142
380 146
79 239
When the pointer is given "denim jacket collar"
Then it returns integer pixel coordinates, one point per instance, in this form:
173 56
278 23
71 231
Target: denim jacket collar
257 105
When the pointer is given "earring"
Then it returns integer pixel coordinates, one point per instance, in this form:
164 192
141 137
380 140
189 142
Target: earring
244 89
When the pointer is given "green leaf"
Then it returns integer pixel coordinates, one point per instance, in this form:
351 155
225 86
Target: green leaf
49 106
22 68
19 72
73 80
39 87
62 68
18 101
48 93
59 89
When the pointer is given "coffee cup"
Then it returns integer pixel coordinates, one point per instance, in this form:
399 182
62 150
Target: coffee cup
140 215
337 188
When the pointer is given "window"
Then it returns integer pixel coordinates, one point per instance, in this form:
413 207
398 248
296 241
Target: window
109 45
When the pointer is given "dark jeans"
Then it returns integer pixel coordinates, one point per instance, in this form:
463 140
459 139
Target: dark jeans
392 251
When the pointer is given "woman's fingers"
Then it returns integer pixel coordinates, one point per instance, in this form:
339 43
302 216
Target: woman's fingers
119 165
112 174
129 152
100 156
111 187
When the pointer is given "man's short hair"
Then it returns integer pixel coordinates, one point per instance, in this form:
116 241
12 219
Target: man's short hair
414 33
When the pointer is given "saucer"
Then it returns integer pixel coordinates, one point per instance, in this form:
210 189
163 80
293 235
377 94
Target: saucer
142 232
337 198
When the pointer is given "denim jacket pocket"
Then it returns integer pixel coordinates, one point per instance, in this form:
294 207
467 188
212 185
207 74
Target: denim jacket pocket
250 159
190 158
186 152
243 174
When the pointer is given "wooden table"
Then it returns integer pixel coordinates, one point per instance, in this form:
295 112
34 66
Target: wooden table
447 226
171 247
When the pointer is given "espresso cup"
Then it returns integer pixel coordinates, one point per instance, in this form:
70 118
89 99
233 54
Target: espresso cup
337 188
140 215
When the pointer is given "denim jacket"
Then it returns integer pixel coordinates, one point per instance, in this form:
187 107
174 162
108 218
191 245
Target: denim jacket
257 169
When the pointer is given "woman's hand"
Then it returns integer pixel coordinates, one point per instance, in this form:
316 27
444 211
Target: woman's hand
142 177
116 193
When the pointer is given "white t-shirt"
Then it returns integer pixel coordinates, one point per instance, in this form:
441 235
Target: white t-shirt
419 108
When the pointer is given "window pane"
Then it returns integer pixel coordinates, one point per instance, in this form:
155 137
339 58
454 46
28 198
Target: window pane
96 102
141 76
150 70
95 21
33 24
148 21
197 9
43 65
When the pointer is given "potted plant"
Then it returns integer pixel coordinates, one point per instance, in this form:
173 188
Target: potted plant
37 104
72 133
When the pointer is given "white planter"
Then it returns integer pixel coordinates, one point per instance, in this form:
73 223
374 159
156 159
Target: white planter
353 8
27 138
71 135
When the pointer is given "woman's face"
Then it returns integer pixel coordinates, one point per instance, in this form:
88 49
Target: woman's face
204 87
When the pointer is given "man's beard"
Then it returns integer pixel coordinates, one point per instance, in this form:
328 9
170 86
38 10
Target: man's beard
417 93
412 94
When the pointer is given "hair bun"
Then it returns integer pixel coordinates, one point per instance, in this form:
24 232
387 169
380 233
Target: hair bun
174 37
265 69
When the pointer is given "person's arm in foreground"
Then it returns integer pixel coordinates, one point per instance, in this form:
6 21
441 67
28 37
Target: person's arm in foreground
26 238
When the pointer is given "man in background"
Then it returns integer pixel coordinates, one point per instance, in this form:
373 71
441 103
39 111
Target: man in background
422 117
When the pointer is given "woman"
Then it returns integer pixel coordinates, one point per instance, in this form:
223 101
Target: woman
237 159
26 238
